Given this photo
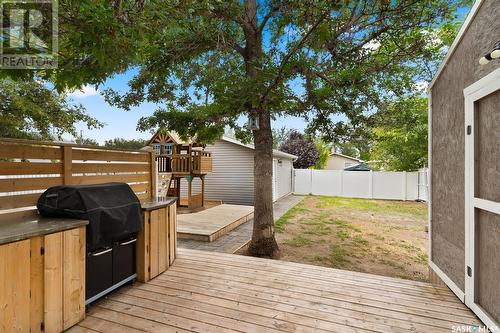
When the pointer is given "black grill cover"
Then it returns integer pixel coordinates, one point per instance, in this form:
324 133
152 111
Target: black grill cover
113 209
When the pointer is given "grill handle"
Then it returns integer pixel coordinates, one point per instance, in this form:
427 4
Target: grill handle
128 242
100 253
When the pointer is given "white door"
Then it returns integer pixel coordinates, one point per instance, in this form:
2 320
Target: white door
482 198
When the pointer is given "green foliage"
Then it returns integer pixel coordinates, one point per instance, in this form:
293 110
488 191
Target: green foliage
400 135
324 151
305 150
208 62
348 149
133 144
86 141
30 110
280 135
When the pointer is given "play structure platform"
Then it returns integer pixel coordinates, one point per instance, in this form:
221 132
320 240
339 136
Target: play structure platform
212 223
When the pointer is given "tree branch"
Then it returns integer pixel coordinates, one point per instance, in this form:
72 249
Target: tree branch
287 57
268 16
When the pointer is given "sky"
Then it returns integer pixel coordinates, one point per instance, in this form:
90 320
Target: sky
122 124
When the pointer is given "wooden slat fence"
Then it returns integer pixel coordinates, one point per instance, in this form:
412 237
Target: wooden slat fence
27 168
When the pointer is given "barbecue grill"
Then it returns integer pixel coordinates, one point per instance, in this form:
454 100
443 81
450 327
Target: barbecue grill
115 216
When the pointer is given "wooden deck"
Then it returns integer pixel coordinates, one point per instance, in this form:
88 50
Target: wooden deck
215 292
212 223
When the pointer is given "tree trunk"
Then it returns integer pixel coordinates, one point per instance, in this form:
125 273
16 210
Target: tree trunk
263 243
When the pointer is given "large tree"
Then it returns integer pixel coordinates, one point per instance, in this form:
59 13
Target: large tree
305 150
209 61
31 110
324 150
400 135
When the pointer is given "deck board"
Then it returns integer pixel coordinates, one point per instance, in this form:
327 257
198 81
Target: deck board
210 224
216 292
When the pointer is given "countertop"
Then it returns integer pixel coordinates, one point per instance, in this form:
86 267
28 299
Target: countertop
21 230
157 203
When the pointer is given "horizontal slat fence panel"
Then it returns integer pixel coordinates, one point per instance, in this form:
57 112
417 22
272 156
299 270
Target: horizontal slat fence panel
104 155
27 168
20 215
27 184
143 196
127 178
12 150
141 187
16 201
109 167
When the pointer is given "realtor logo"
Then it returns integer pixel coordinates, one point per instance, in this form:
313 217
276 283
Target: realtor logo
28 34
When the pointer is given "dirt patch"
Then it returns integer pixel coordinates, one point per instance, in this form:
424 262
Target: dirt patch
374 236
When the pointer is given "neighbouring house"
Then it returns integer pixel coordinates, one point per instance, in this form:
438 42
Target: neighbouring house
464 121
339 161
232 179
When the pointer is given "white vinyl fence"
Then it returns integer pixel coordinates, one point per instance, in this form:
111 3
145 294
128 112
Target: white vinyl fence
423 184
362 184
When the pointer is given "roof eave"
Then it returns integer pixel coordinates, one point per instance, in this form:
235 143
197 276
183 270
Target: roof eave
249 146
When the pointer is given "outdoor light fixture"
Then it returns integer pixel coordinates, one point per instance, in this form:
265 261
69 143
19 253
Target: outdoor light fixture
494 54
253 122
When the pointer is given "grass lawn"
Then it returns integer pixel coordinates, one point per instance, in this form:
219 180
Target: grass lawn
374 236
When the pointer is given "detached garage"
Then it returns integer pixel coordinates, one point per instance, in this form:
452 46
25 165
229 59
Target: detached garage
465 198
232 179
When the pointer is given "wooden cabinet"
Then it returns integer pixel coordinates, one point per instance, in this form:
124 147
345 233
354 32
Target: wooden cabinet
15 287
157 243
42 283
64 279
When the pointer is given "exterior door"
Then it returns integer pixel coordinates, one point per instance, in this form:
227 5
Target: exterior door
482 198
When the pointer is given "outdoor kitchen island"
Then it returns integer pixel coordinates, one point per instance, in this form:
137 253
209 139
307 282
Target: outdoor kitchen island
43 262
43 274
157 242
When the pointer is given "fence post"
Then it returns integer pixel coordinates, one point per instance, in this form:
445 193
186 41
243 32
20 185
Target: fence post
311 182
341 183
370 184
67 165
154 174
405 186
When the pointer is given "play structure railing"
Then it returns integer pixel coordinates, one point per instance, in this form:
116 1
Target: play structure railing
199 162
164 163
202 162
